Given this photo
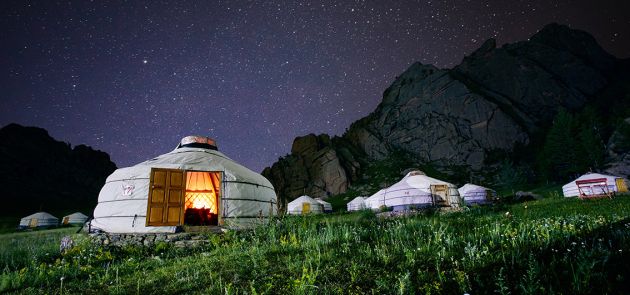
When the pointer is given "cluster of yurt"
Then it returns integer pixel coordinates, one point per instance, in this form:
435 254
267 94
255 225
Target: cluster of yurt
415 190
47 220
194 185
595 184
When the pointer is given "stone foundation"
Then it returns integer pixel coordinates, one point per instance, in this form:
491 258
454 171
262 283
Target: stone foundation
180 240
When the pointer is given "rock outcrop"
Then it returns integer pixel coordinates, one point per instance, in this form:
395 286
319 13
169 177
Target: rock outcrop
317 166
495 99
40 173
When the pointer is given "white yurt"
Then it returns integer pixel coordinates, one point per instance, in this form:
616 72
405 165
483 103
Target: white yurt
39 219
415 190
595 184
304 205
476 194
356 204
74 218
327 207
376 200
193 185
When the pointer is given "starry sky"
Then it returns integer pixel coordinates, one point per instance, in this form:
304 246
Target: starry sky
131 78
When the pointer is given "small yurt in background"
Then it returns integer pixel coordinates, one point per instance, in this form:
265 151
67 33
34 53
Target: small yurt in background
327 207
595 184
74 218
304 205
416 190
476 194
39 220
356 204
376 200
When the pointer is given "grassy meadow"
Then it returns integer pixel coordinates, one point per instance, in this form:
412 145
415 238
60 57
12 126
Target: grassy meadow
549 246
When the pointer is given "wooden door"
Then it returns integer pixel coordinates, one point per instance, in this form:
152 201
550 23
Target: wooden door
440 193
166 197
66 220
32 222
621 185
306 208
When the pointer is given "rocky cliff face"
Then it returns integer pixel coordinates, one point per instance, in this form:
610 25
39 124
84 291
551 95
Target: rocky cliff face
495 99
38 172
317 166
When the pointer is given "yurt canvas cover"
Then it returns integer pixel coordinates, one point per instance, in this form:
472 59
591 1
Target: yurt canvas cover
304 205
356 204
194 184
376 200
476 194
74 218
601 184
415 190
39 219
327 207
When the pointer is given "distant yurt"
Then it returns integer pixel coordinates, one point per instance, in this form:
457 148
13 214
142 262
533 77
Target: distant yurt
304 205
415 190
356 204
327 207
39 220
74 218
476 194
595 184
376 200
193 185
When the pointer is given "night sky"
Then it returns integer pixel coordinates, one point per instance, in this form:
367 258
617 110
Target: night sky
132 78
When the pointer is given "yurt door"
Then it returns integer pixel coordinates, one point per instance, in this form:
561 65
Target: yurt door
32 222
203 198
440 194
621 185
166 197
66 220
306 208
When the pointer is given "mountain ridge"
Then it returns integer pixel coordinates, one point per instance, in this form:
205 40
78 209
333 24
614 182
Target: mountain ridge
42 173
495 99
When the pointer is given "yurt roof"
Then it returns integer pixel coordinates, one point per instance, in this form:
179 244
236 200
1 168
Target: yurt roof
40 215
417 179
586 176
76 215
357 200
322 201
472 187
193 158
304 199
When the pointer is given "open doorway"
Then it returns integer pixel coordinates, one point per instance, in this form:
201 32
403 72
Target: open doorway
202 195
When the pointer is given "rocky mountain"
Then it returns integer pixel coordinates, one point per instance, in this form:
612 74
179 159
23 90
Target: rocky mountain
496 99
39 173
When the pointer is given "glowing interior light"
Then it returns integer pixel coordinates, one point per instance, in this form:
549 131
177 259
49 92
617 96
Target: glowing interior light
202 189
201 202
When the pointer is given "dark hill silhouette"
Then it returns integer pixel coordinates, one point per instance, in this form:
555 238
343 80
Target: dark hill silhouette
38 172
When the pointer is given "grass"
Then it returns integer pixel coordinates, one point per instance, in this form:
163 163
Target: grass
554 245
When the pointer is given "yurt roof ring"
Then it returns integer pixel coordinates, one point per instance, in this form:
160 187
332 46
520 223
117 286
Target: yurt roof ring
196 141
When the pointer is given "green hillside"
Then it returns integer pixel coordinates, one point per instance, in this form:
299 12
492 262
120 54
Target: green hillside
554 245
